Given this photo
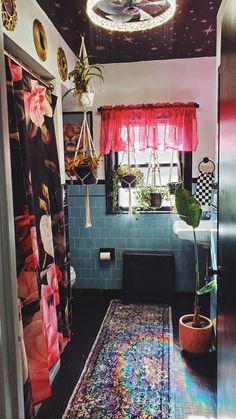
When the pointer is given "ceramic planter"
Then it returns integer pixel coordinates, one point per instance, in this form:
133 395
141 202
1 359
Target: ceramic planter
128 180
195 340
155 199
86 100
84 175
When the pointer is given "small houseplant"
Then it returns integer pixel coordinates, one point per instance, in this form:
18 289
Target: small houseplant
195 330
149 197
84 168
126 177
157 193
81 77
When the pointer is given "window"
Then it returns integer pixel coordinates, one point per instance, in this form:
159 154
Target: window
118 200
155 130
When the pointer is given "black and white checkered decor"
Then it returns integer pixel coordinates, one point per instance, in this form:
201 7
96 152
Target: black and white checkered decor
204 188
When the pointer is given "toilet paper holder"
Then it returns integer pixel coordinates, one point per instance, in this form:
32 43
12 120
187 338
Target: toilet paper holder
107 253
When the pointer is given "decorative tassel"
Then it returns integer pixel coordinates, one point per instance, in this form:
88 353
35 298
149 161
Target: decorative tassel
130 203
87 210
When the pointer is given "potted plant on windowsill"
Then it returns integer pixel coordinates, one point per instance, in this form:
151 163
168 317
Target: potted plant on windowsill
81 77
195 330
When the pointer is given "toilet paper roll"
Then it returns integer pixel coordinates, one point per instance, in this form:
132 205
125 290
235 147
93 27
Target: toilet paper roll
105 256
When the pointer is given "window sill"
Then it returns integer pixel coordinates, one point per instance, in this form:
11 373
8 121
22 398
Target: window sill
163 210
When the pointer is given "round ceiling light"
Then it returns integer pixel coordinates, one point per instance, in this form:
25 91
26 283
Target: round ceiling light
130 15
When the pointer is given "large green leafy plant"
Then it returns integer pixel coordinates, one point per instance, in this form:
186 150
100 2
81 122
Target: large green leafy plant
189 210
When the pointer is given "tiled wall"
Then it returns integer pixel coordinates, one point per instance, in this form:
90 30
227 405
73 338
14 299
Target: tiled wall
145 232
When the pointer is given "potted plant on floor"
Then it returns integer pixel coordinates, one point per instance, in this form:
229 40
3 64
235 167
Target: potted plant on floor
195 330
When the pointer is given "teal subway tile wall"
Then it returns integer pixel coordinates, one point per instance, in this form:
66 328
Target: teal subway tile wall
145 232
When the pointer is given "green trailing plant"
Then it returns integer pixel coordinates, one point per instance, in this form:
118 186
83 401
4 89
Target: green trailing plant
143 195
189 210
143 199
117 176
82 74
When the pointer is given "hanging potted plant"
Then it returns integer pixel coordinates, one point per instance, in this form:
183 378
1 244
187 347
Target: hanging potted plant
150 197
127 177
157 193
195 330
85 169
81 77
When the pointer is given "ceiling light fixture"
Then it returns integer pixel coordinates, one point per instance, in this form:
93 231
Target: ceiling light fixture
130 15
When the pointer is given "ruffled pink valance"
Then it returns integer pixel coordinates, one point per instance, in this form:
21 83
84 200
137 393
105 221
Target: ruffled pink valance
158 126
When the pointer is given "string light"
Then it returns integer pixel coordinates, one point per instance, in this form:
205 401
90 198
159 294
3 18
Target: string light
131 26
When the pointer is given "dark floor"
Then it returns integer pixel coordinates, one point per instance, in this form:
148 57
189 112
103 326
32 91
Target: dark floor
195 377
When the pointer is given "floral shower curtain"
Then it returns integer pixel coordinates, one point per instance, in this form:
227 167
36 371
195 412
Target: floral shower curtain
39 231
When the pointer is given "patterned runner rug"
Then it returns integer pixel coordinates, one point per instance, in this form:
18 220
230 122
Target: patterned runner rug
129 372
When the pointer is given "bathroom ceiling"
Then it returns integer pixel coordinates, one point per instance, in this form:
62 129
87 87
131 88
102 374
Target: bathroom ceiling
190 33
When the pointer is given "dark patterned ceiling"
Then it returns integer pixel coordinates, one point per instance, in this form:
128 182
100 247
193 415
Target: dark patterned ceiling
190 33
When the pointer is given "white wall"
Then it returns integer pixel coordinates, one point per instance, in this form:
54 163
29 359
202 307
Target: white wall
163 81
21 44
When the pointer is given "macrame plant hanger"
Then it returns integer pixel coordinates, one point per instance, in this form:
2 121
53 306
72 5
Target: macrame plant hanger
173 186
129 185
85 138
154 169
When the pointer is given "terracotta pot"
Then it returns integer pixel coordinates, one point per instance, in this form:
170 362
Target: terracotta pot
128 180
193 339
156 199
84 175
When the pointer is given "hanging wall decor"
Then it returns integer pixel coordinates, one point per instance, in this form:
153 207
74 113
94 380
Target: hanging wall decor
9 14
40 40
62 64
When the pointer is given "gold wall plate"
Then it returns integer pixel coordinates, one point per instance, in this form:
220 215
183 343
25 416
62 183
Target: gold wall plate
40 40
9 14
62 64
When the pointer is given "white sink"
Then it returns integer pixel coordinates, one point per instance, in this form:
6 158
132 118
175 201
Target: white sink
203 231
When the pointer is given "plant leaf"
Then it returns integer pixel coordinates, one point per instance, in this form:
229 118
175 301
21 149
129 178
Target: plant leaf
68 91
45 190
188 208
208 287
43 204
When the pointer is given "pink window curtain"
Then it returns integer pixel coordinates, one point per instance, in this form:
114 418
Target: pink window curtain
158 126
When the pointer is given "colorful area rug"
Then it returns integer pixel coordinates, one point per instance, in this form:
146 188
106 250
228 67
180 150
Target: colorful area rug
129 372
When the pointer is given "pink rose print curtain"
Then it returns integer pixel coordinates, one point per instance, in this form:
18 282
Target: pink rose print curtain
39 231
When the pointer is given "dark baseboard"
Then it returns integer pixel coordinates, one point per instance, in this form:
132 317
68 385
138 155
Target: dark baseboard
100 294
97 293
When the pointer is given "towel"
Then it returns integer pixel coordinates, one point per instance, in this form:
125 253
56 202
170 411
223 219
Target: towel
204 188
